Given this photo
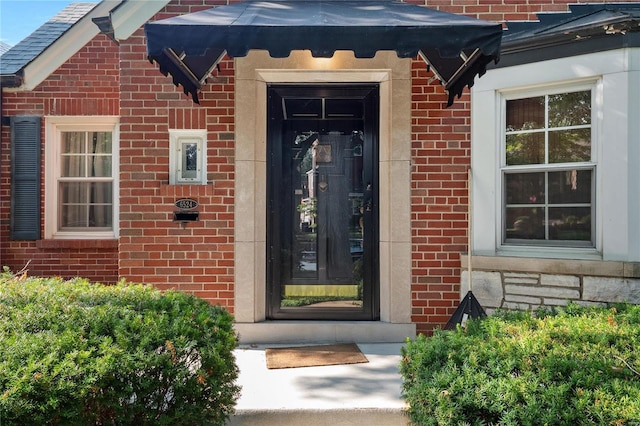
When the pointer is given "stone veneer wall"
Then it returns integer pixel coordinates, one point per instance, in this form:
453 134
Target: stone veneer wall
527 284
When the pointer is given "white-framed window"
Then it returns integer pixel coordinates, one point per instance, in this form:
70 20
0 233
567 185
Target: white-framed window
81 185
187 157
548 168
613 162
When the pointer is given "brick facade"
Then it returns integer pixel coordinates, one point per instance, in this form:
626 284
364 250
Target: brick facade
73 89
198 258
440 152
106 79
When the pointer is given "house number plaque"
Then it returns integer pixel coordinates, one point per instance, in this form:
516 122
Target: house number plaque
186 204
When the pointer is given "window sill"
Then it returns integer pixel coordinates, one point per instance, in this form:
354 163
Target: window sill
617 269
554 252
77 244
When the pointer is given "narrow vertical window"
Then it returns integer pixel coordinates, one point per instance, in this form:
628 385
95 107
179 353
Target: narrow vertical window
187 157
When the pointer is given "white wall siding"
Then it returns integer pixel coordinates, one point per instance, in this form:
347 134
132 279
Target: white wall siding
615 75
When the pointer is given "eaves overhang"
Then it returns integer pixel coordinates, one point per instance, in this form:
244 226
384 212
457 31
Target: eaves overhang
118 19
587 28
37 69
12 80
127 17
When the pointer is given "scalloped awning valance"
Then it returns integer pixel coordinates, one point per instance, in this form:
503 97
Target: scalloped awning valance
456 48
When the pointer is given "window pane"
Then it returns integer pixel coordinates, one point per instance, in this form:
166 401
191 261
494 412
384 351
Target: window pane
100 216
570 109
525 114
525 148
73 166
73 208
570 187
100 166
570 223
73 192
525 223
101 142
570 146
189 160
86 204
73 216
525 188
101 193
73 142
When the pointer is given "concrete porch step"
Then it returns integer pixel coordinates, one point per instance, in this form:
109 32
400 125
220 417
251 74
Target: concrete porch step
355 394
355 417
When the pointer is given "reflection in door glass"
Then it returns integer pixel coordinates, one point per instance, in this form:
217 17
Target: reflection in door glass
326 236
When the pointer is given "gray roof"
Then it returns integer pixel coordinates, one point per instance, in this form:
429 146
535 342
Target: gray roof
20 55
585 28
581 17
4 47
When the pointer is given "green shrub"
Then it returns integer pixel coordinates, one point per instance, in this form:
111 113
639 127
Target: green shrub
76 353
576 366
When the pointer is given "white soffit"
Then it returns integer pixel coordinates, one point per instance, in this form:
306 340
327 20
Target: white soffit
132 14
126 19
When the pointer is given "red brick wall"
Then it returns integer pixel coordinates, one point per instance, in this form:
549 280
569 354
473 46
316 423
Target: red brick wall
440 157
199 257
501 10
73 89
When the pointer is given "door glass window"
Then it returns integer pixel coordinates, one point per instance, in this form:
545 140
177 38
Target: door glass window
327 236
322 232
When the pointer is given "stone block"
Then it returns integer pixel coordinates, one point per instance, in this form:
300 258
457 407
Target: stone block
555 302
539 291
519 278
603 289
487 287
632 270
560 280
522 299
522 275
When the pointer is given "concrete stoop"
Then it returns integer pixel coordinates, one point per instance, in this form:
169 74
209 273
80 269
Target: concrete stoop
354 394
328 417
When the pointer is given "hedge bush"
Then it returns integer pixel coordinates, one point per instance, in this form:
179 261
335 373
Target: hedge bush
76 353
576 366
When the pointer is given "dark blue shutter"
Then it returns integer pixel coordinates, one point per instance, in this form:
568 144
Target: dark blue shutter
25 178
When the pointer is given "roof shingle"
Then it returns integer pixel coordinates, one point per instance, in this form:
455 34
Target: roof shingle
4 47
37 42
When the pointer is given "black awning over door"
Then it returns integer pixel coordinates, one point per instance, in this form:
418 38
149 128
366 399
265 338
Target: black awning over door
457 48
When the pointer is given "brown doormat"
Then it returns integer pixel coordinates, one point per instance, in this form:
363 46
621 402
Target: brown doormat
309 356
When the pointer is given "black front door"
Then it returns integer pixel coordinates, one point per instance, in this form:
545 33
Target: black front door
322 223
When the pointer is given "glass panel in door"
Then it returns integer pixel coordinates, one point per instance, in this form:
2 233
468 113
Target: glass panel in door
327 239
323 233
